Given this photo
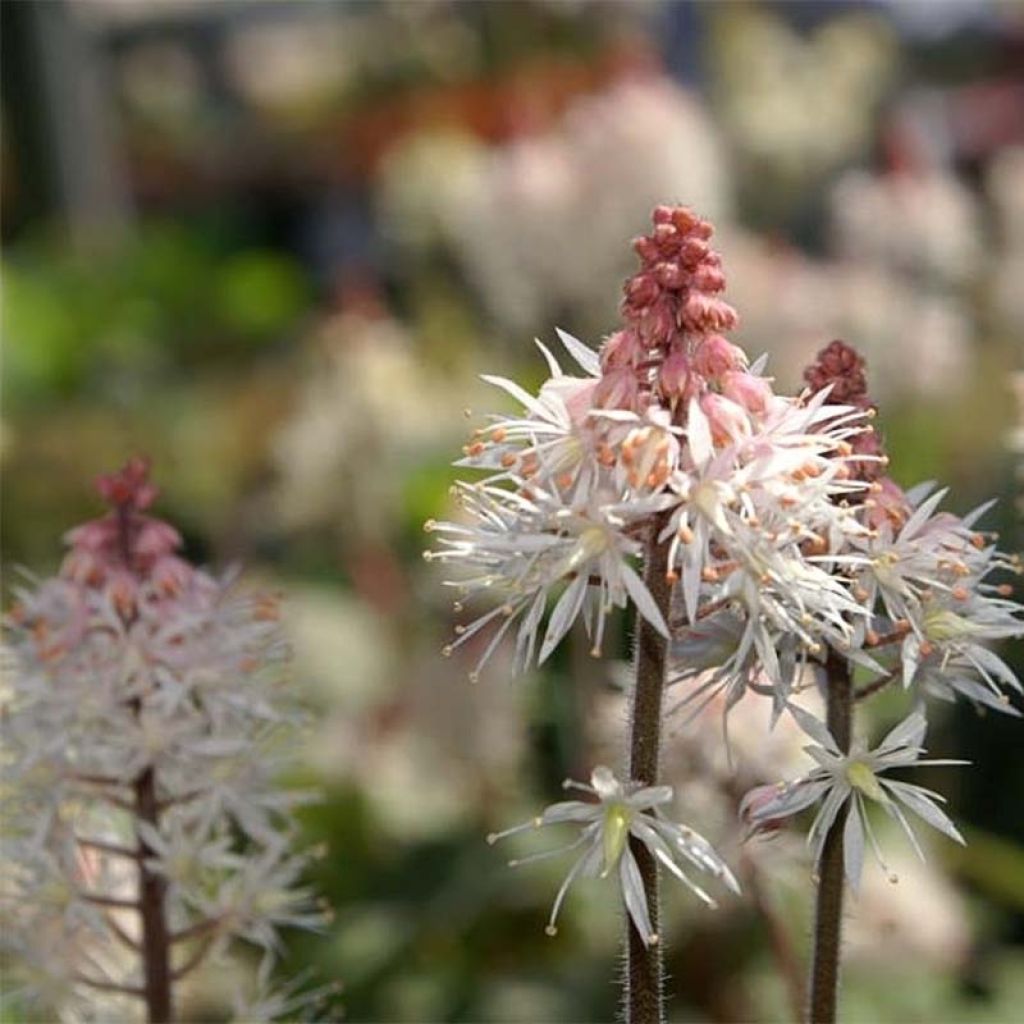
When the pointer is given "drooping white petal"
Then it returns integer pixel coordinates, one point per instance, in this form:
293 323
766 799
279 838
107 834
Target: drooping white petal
853 843
563 616
642 599
635 896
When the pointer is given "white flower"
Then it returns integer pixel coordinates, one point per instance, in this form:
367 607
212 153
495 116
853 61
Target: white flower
952 633
728 654
624 811
746 508
853 778
521 547
930 552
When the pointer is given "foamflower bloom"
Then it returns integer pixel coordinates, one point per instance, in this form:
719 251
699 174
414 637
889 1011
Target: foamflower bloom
623 810
852 779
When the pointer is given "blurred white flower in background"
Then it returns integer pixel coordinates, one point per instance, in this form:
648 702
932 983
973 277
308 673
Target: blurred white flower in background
537 223
366 403
923 918
1005 188
800 104
924 224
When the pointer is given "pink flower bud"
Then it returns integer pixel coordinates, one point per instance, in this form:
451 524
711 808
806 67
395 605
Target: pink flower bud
641 290
666 240
675 376
705 313
707 278
617 389
716 355
670 275
729 422
692 252
751 804
646 249
747 390
662 215
685 219
623 348
658 325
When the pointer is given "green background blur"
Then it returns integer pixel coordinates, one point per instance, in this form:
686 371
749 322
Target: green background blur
271 245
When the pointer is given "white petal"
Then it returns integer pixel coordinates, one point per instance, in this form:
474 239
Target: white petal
698 433
563 616
649 796
814 728
643 600
526 400
570 810
635 896
922 513
556 370
924 808
909 733
791 800
586 357
853 845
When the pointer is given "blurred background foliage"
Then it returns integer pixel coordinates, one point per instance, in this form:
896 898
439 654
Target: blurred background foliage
272 244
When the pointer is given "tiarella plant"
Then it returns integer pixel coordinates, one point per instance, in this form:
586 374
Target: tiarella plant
761 542
146 723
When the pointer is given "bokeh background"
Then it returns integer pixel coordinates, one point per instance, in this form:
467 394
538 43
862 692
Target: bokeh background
272 244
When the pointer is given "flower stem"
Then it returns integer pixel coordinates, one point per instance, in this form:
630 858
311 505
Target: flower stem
156 943
643 995
829 912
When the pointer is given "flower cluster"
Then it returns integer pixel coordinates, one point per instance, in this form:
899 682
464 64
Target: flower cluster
667 426
785 541
144 730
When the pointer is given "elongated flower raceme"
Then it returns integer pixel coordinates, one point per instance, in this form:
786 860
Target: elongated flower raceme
147 720
663 418
605 826
855 779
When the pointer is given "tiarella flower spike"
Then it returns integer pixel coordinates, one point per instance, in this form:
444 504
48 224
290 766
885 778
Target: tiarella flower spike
623 811
146 725
774 547
667 420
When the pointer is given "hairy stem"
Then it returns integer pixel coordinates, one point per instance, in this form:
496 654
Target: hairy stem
829 911
156 941
643 996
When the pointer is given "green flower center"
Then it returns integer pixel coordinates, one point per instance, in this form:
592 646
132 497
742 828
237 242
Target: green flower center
861 777
617 817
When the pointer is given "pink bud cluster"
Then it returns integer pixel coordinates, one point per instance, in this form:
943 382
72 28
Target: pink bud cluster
672 347
841 367
125 549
